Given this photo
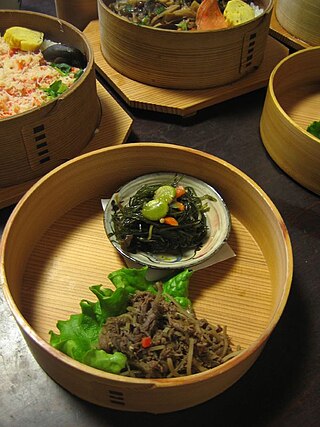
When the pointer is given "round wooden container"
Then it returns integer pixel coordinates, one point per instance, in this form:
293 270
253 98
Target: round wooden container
292 103
48 266
301 18
77 12
34 142
181 59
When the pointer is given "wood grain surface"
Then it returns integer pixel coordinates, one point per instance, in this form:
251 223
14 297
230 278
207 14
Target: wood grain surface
292 104
281 34
65 249
114 128
181 102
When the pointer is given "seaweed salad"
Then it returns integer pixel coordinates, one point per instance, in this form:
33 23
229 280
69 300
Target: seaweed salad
160 218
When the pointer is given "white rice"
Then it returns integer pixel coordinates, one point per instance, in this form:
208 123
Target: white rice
257 10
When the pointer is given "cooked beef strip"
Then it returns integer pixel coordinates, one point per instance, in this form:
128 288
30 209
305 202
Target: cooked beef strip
180 343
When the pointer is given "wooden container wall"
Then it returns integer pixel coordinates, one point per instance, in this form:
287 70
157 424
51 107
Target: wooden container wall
181 59
301 18
99 174
34 142
77 12
292 103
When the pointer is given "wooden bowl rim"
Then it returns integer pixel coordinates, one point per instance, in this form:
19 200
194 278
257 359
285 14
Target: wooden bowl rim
292 57
76 84
203 376
186 33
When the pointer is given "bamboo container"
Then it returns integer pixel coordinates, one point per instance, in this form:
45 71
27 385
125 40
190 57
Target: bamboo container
48 266
301 18
182 59
292 103
36 141
77 12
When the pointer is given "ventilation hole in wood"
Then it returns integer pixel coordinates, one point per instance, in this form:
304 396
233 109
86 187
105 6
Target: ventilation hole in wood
116 397
250 51
41 153
44 159
251 44
248 64
249 57
41 144
253 36
40 137
38 129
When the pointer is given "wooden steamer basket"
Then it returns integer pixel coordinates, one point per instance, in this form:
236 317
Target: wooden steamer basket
301 18
48 266
36 141
77 12
292 103
181 59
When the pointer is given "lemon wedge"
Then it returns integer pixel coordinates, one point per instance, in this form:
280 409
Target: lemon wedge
237 12
23 38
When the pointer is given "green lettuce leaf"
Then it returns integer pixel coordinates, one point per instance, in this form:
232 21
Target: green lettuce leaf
178 288
314 129
79 335
132 279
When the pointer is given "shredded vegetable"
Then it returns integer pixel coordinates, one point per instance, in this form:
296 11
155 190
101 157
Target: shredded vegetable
143 329
162 340
156 226
180 15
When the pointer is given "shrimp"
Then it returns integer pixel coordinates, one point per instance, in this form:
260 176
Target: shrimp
209 16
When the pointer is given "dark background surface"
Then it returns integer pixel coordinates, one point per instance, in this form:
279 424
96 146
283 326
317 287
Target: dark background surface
282 387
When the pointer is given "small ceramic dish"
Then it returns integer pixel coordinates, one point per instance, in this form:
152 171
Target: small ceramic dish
217 218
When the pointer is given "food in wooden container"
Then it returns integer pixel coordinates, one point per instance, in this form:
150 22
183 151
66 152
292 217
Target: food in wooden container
289 124
48 113
34 71
64 249
143 329
184 45
186 15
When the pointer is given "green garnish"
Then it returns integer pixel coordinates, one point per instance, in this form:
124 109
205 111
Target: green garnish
79 334
78 74
145 21
183 25
159 10
55 89
63 69
314 128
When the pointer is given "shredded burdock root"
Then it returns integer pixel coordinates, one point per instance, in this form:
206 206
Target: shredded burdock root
163 340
